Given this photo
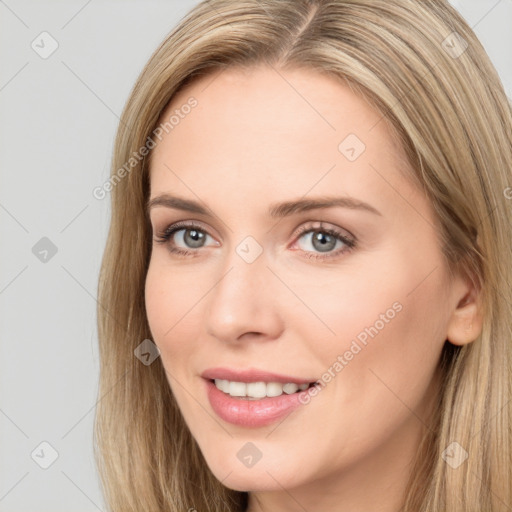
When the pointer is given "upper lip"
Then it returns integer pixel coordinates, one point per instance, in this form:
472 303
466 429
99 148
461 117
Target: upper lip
251 375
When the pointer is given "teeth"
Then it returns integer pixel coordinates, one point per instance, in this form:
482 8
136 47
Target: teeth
274 389
237 389
255 390
290 388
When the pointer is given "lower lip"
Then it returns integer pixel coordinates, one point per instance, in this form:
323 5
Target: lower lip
251 413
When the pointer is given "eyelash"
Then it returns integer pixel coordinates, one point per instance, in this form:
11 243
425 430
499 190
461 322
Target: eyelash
165 236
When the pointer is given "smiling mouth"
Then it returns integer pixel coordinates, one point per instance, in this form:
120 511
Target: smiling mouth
258 390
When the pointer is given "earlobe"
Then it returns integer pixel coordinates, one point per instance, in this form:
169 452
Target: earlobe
465 324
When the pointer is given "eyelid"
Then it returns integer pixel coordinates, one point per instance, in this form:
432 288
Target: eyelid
187 224
184 224
323 226
303 228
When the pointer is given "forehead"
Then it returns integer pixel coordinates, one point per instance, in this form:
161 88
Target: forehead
260 129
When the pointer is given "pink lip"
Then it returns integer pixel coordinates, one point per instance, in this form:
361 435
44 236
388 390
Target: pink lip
251 413
251 375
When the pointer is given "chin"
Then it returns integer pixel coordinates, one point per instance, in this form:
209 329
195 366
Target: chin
260 477
251 483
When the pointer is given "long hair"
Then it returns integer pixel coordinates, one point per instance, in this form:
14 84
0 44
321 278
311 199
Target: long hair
421 66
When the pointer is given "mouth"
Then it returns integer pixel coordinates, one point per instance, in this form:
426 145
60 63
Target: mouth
255 404
258 390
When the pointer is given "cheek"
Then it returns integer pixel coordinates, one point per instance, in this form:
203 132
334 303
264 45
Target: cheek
383 317
173 313
386 345
171 297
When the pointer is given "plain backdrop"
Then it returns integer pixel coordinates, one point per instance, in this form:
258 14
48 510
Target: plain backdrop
59 114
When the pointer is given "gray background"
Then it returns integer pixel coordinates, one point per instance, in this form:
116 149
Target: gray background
58 119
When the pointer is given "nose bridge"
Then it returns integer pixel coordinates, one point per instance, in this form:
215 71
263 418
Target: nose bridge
242 299
244 274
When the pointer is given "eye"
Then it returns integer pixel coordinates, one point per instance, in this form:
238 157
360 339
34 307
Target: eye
325 241
182 236
318 242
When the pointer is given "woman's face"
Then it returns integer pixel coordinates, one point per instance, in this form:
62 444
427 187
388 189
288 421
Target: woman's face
355 295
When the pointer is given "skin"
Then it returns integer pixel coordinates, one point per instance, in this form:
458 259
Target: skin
259 137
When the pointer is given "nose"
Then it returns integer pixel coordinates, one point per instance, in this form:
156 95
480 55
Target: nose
244 302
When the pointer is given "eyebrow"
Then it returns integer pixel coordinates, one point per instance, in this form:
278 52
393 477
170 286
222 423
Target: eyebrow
278 210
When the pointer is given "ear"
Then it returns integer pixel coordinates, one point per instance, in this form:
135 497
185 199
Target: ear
465 323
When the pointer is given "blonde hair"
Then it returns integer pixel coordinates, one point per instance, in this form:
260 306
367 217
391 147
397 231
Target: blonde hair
446 105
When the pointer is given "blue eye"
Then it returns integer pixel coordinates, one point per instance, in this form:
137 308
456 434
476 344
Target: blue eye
324 240
190 235
328 242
